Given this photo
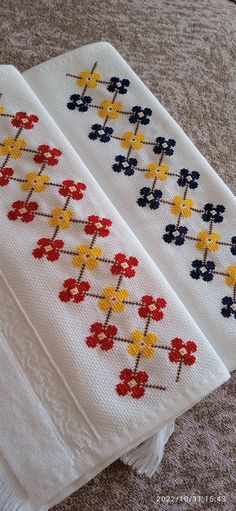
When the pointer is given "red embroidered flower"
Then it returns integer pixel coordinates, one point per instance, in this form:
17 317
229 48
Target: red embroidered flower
102 336
47 155
124 265
152 307
23 120
98 226
72 189
24 211
5 174
74 291
132 383
48 248
182 351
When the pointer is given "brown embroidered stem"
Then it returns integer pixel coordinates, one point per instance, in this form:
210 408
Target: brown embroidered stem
150 386
107 317
119 282
123 339
81 273
234 293
93 240
66 203
5 161
18 133
55 233
137 362
179 371
147 325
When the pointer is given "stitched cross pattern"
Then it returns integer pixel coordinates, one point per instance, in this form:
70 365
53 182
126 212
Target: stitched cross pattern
182 206
87 257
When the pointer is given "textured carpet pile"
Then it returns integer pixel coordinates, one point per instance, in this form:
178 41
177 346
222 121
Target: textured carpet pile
183 50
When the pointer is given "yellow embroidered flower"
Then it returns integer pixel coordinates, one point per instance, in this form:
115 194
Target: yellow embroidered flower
132 140
230 280
113 299
182 206
35 182
110 109
207 240
87 256
142 344
88 78
61 218
2 109
12 147
157 171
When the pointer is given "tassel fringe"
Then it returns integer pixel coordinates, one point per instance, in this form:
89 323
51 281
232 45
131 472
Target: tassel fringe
146 458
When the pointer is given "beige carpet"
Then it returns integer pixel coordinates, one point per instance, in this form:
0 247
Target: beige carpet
183 50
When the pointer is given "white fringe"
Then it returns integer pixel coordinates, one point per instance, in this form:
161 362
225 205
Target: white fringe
12 498
146 458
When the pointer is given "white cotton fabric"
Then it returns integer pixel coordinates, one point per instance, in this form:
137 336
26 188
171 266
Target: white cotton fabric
202 299
62 420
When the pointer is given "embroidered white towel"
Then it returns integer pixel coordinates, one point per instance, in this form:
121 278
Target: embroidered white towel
98 351
178 207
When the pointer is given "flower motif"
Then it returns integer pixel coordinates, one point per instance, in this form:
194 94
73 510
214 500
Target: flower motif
48 248
182 206
2 109
12 147
5 175
188 178
142 344
47 155
132 383
35 182
230 309
80 103
124 265
132 140
113 299
110 109
87 256
88 79
22 210
175 234
61 218
233 247
152 307
74 291
230 280
103 134
126 165
140 115
208 240
203 270
97 225
71 189
164 146
23 120
182 352
149 198
118 85
157 171
213 213
101 336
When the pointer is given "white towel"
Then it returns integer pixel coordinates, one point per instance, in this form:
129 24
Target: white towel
98 352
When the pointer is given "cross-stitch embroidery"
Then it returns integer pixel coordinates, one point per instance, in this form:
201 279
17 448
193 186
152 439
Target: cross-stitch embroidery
113 300
181 205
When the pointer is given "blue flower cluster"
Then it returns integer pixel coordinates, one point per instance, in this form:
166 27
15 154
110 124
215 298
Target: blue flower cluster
80 103
118 85
101 133
149 198
140 115
126 165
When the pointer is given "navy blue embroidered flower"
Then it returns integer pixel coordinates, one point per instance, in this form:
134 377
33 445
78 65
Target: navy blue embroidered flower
164 146
126 165
118 85
175 234
140 115
149 198
203 270
103 134
230 309
79 103
188 178
213 213
233 247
